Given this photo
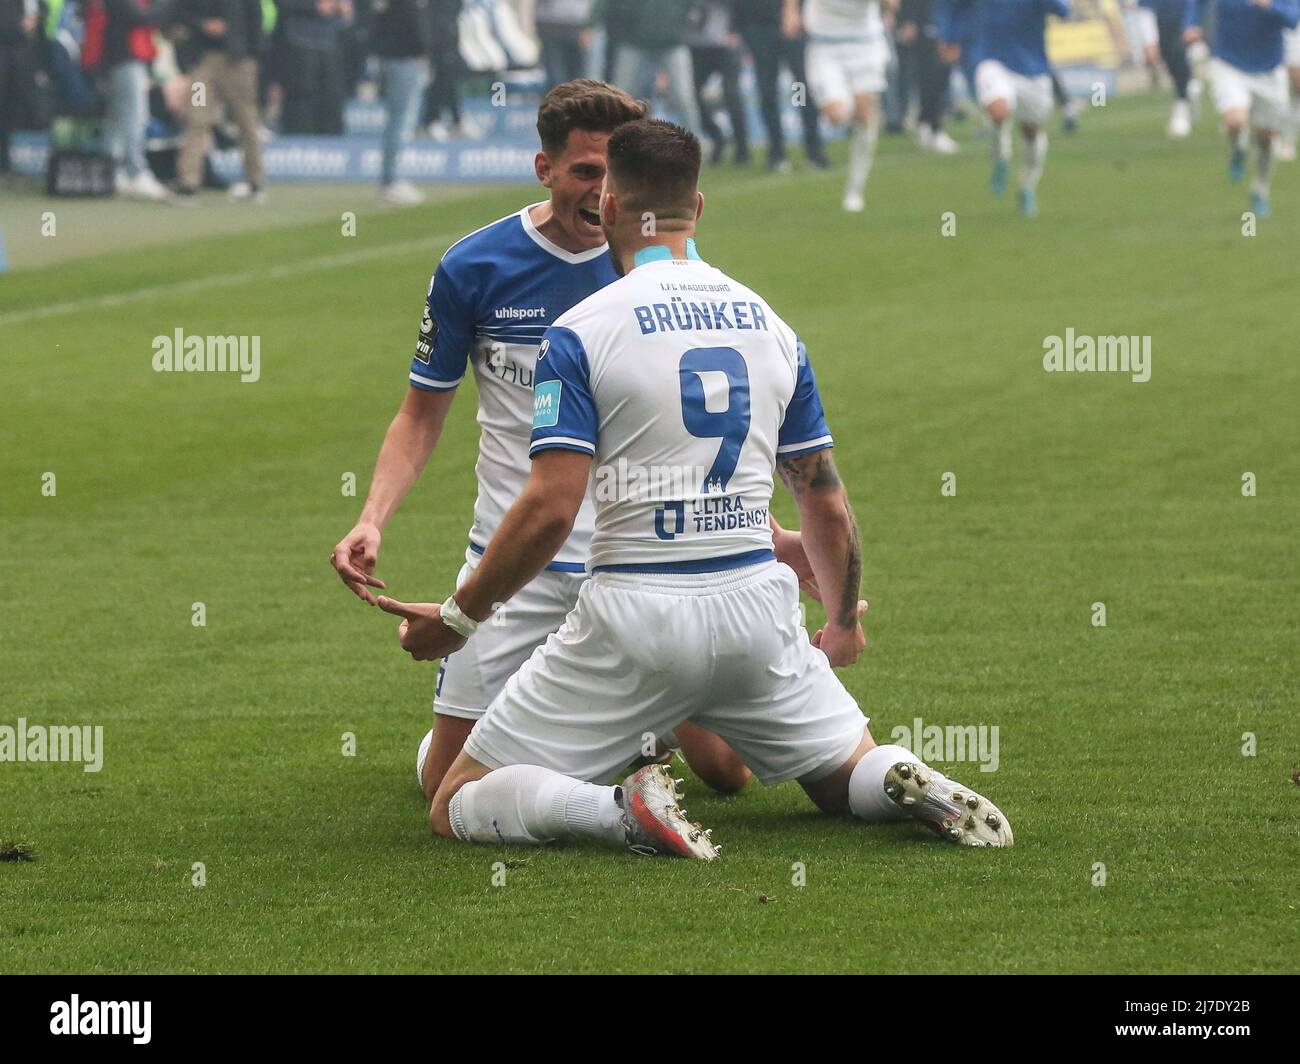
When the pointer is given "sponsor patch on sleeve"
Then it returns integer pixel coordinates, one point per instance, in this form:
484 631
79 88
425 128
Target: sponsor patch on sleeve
428 334
546 404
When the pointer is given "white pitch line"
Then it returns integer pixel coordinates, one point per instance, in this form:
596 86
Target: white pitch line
199 284
291 269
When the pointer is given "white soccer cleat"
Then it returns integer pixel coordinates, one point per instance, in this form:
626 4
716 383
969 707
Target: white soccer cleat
653 822
401 194
953 812
244 192
1180 120
145 186
944 144
854 203
1284 148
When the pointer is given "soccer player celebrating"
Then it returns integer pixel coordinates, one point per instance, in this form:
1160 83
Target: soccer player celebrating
1012 78
688 614
1250 88
490 301
847 56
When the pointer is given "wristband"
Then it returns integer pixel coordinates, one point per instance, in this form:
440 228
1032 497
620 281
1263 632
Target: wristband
455 619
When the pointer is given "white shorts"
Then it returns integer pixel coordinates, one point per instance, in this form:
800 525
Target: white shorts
470 678
642 652
1141 26
1265 96
841 70
1291 47
1030 99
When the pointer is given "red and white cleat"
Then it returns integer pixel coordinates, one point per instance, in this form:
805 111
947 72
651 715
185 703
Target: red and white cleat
953 812
653 822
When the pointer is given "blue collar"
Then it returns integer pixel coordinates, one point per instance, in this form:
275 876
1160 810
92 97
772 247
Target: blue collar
660 253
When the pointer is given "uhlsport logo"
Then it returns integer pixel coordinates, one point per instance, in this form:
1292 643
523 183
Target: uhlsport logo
519 313
76 743
75 1016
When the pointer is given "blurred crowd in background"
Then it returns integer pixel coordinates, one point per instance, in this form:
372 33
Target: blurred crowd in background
249 70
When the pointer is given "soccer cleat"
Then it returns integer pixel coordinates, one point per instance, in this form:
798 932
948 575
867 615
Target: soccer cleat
1284 148
1259 204
1180 120
401 194
653 822
943 144
1236 166
854 203
244 192
951 811
1028 203
998 182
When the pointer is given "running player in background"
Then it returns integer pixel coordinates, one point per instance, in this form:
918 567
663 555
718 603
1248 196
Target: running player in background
688 614
847 56
1012 79
1291 59
1250 83
490 301
1158 26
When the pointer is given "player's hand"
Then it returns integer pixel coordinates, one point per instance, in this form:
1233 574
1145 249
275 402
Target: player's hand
906 33
213 27
788 546
422 633
354 560
948 52
791 24
843 646
1192 34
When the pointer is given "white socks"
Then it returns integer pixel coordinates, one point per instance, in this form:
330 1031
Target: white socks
531 805
1031 167
1001 141
862 151
867 798
1263 167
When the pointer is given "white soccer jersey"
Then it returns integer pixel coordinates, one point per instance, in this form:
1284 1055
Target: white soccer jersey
686 387
493 296
842 20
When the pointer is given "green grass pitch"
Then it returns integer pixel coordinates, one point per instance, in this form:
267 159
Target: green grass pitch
1120 746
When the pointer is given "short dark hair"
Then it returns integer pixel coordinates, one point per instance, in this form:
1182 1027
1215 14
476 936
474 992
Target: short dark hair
595 106
656 166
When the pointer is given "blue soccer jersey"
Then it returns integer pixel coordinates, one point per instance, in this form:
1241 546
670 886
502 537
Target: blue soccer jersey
491 299
686 388
1246 34
1012 32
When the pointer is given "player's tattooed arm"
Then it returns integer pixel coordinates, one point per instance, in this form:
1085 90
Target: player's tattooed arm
834 548
809 472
